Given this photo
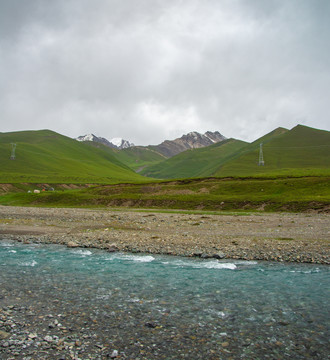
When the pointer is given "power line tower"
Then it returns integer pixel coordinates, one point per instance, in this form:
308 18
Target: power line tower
13 147
261 156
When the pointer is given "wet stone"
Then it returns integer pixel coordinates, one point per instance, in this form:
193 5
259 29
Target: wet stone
219 255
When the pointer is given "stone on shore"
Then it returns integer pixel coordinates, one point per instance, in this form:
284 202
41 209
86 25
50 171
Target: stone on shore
72 244
112 248
4 335
219 255
248 237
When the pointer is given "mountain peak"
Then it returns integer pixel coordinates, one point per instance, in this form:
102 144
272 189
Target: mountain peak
168 148
193 134
192 140
115 143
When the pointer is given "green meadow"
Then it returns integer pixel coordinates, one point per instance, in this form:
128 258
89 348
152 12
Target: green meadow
46 156
138 157
196 162
222 177
216 194
301 151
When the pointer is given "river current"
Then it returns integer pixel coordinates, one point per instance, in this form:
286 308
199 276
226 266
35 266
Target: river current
142 306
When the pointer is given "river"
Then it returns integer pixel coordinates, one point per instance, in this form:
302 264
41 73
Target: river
60 303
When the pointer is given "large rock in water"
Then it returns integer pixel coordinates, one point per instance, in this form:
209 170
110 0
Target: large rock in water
219 255
112 248
72 244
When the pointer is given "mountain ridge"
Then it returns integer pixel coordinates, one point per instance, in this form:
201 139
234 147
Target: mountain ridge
192 140
167 148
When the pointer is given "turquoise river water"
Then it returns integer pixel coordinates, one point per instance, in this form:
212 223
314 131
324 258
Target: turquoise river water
142 306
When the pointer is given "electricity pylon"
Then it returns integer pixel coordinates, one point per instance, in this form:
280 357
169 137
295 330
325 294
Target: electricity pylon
13 147
261 156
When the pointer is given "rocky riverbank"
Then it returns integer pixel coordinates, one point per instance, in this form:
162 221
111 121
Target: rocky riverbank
259 236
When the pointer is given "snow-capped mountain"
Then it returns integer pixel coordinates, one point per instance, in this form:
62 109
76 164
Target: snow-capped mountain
115 143
167 148
92 137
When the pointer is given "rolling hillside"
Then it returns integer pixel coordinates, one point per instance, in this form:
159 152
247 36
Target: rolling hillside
137 157
195 162
46 156
300 151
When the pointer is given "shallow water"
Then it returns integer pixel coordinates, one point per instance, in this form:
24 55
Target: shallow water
162 307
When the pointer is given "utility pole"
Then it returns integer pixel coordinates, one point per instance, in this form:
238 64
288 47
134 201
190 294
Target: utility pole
261 156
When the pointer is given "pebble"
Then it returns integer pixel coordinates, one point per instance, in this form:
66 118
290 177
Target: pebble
4 335
48 338
114 354
72 244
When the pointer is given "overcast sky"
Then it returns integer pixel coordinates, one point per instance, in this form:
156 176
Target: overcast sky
150 70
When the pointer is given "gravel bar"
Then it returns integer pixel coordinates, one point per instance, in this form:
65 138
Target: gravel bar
302 237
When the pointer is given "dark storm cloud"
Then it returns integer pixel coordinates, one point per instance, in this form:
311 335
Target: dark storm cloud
149 70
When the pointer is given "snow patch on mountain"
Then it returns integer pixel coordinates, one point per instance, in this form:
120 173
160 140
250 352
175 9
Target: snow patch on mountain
121 143
88 137
115 143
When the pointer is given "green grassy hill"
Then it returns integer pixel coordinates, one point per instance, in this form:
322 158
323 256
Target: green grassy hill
200 162
137 157
298 152
46 156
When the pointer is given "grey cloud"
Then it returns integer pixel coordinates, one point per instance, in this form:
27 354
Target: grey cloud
149 70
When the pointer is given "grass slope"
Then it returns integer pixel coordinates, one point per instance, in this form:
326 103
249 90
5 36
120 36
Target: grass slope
46 156
137 157
207 194
299 152
195 162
